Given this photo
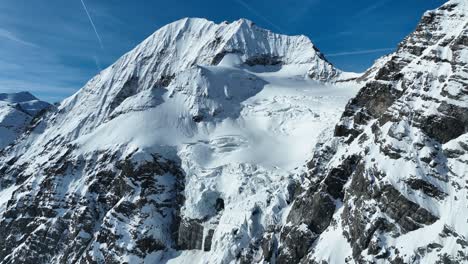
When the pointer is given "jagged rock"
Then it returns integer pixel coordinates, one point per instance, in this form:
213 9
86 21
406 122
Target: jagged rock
394 151
269 247
219 204
337 177
426 188
208 239
190 235
296 241
313 210
96 218
264 60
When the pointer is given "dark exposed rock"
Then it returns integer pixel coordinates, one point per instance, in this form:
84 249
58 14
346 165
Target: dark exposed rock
129 88
294 189
263 60
372 101
93 219
390 151
219 206
462 242
190 235
165 80
148 245
197 118
426 188
296 241
442 128
391 70
269 246
376 98
218 57
337 177
409 215
313 210
208 239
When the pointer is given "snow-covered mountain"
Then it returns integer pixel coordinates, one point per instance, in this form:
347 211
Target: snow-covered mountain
192 148
17 110
187 147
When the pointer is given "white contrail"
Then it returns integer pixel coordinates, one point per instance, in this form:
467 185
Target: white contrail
92 24
11 36
371 8
357 52
254 12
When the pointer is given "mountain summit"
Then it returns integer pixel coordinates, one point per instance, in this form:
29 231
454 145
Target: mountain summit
179 47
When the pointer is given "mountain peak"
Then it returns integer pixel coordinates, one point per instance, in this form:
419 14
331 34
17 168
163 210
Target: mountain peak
245 21
241 36
191 42
18 97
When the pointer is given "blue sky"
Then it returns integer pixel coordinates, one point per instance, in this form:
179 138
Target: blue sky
49 47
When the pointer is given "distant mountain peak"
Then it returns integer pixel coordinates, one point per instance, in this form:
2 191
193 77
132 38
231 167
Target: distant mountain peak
18 97
16 112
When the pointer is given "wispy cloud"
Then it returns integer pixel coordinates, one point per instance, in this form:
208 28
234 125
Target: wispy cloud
12 37
301 10
357 52
259 15
92 24
371 8
334 35
39 71
70 58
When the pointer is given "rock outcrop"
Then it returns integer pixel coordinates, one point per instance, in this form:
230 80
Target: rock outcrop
390 181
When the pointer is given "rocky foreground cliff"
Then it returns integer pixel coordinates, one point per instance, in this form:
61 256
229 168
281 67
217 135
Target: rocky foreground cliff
228 143
391 185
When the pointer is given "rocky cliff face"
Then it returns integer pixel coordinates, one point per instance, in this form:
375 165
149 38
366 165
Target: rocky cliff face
391 186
